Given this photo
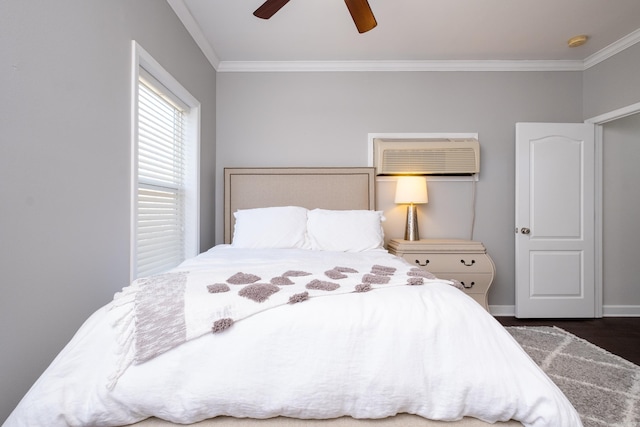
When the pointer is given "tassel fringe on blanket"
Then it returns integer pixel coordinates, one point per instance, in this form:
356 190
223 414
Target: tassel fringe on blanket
158 313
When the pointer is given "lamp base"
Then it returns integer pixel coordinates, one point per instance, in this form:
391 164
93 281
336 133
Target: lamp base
411 230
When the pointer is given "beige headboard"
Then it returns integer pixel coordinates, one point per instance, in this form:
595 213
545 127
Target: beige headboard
327 188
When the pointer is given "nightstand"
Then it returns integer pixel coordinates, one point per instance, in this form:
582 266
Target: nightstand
464 260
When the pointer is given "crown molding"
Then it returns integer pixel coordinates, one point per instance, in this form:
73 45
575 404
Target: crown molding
184 15
614 48
344 66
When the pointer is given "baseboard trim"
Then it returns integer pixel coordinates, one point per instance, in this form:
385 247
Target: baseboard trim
502 310
607 310
621 311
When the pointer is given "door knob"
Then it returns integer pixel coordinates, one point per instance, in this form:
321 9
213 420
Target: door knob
525 230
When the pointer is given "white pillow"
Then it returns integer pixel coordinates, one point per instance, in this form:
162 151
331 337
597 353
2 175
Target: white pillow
275 227
345 231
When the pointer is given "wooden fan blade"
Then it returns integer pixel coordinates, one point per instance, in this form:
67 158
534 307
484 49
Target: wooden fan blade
269 8
361 14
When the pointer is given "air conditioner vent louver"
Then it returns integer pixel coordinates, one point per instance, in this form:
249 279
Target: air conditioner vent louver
426 157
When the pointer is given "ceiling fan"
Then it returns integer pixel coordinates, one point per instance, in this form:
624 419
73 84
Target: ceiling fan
359 9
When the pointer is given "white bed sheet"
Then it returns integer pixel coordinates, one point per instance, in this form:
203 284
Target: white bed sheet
428 350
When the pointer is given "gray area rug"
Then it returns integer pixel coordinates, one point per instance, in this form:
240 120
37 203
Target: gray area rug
604 388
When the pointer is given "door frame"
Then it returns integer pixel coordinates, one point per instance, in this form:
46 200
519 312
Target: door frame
599 121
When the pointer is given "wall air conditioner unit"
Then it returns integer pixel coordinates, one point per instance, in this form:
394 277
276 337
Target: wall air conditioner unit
435 156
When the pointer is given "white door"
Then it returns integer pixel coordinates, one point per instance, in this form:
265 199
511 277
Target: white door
555 223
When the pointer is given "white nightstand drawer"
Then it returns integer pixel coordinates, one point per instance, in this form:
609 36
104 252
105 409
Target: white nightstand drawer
463 263
473 283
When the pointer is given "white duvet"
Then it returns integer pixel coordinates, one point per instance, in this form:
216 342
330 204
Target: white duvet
428 350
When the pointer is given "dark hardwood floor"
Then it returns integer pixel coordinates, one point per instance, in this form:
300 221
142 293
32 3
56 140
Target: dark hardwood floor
618 335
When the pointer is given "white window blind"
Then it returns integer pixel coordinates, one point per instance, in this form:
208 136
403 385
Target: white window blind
160 213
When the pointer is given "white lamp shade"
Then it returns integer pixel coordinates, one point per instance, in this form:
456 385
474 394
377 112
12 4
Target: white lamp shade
411 189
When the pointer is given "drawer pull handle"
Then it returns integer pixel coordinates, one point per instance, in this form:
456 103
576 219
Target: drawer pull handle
473 261
422 265
468 287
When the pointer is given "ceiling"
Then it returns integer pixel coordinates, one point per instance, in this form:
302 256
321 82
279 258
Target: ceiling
320 34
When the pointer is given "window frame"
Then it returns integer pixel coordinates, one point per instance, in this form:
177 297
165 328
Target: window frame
142 59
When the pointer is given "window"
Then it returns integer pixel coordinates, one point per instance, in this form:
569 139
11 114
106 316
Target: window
165 169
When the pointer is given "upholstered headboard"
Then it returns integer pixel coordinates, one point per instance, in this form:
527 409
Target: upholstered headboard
327 188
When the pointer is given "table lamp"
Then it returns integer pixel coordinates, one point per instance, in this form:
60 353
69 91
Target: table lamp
411 190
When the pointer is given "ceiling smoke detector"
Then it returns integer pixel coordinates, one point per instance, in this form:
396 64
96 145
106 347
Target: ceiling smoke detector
577 41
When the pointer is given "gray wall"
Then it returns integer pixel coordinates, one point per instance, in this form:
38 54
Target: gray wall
621 210
323 119
613 83
608 86
65 163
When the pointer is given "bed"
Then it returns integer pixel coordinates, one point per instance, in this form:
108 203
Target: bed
300 318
